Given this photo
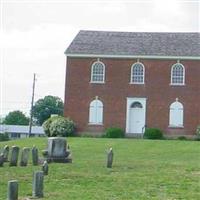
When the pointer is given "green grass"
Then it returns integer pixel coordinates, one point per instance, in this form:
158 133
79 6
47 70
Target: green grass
142 169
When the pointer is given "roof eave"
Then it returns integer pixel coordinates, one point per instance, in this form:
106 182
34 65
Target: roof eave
131 56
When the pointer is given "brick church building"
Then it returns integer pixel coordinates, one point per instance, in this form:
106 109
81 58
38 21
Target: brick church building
134 80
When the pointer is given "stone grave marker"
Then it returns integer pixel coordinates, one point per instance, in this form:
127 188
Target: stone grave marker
14 156
1 160
38 178
57 150
6 153
34 155
12 190
24 156
45 168
110 158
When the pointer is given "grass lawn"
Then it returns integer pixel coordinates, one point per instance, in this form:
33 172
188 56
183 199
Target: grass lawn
142 169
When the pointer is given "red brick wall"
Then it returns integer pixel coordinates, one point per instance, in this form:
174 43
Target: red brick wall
160 94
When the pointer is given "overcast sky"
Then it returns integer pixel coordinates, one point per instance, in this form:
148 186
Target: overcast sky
35 33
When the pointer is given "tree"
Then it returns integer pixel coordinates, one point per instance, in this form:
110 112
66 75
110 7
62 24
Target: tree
16 118
59 126
47 106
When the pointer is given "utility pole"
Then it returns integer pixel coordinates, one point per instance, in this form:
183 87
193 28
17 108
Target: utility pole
32 101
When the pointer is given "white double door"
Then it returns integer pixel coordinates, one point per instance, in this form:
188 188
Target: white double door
135 119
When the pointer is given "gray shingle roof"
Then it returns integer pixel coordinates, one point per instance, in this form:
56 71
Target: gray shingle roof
136 43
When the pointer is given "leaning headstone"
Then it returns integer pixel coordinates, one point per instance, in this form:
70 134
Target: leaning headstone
24 156
12 190
14 156
1 160
34 155
57 150
110 158
5 153
45 168
38 178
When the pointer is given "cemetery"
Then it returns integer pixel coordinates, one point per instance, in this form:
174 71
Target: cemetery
99 168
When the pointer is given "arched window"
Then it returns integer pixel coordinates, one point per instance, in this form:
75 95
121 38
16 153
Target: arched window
176 114
96 112
98 72
137 73
136 105
177 74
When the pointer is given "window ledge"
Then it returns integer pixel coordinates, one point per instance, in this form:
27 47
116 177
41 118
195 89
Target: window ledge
171 126
95 124
173 84
133 83
97 82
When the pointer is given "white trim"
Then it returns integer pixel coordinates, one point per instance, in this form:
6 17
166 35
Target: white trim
96 82
130 100
95 124
172 126
91 75
96 111
140 83
134 56
176 106
179 84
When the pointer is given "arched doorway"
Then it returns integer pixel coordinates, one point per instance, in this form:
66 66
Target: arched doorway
136 115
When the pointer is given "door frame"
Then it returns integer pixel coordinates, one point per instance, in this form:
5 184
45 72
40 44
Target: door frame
130 100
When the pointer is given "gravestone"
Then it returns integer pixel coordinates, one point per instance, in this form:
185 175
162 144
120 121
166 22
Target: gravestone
110 158
57 150
1 160
24 156
12 190
38 178
6 153
34 155
45 168
14 156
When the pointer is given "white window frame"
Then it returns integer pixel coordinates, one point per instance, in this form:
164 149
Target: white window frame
176 115
131 81
96 112
178 84
91 78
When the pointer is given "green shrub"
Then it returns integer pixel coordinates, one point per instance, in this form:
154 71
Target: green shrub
59 126
114 132
182 138
4 137
198 131
153 133
46 125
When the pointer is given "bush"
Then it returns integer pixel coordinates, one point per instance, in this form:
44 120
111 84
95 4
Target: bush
59 126
4 137
182 138
198 131
153 133
114 132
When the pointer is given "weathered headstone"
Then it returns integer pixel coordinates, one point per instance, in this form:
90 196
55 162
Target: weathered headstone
12 190
14 156
24 156
57 150
34 155
38 178
6 153
110 158
1 160
45 168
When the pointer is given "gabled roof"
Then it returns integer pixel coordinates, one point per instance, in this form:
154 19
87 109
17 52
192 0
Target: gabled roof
183 44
